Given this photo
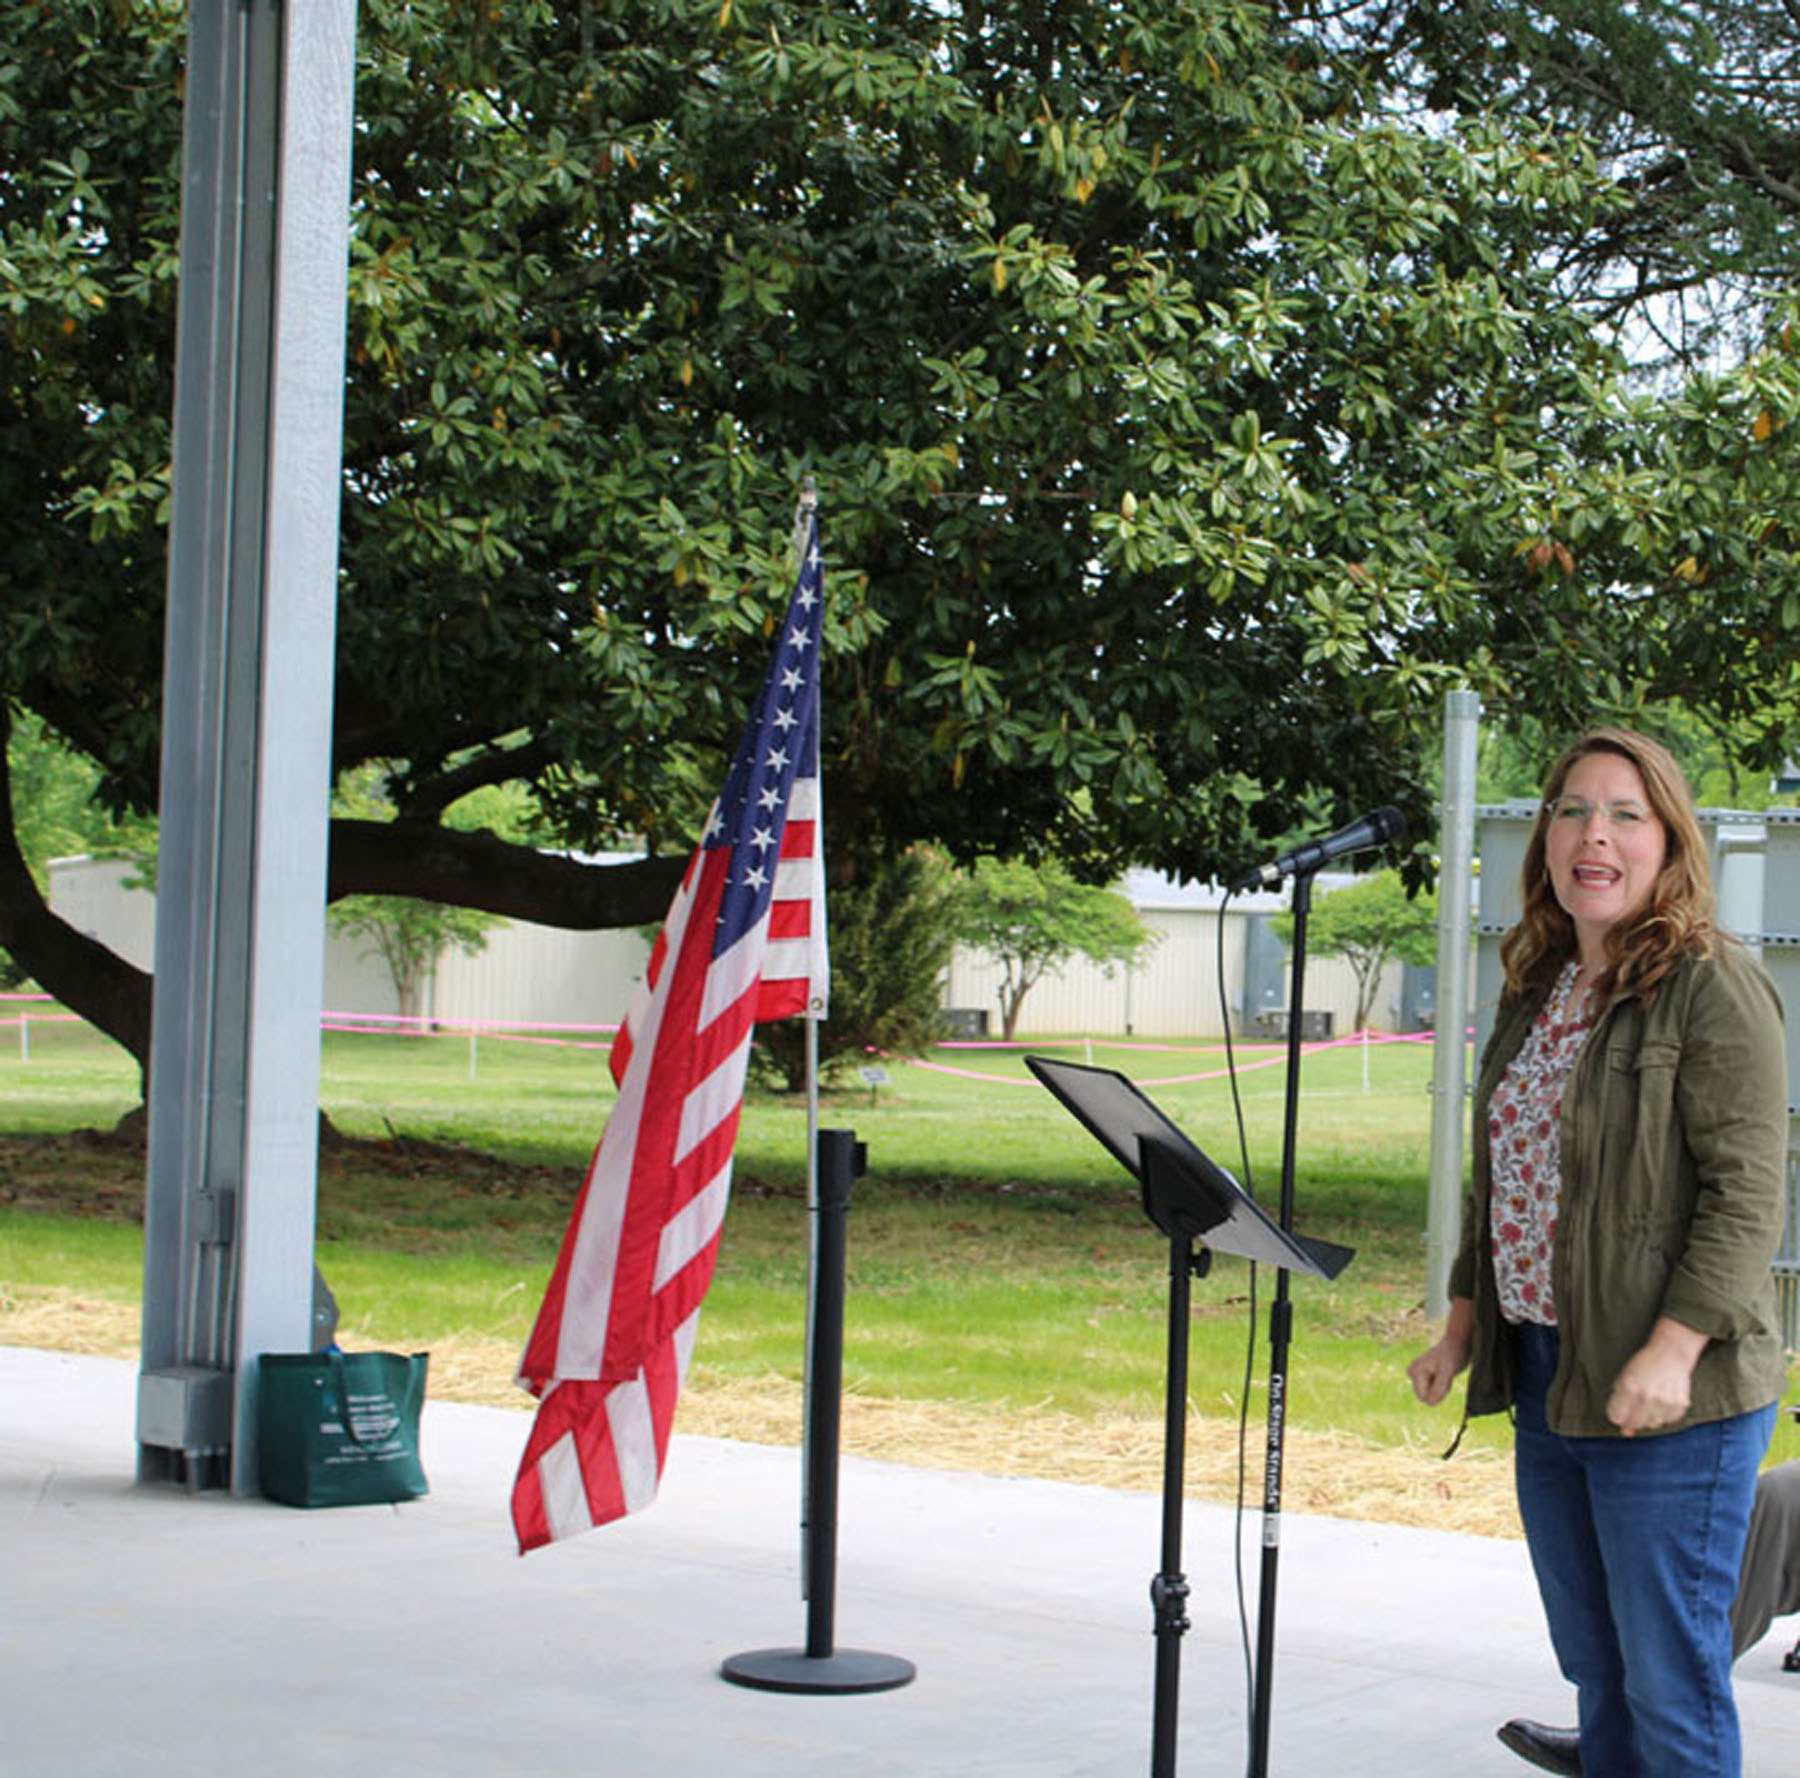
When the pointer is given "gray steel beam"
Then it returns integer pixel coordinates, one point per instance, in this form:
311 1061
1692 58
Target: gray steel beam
1456 875
231 1179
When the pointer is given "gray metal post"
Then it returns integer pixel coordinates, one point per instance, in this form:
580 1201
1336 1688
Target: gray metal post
1265 961
229 1201
1456 854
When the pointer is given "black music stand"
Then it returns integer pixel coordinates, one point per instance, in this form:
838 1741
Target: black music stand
1190 1198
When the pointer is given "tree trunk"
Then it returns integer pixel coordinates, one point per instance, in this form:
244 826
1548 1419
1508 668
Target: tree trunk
1011 999
81 972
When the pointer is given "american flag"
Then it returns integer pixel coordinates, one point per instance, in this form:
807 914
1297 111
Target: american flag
744 940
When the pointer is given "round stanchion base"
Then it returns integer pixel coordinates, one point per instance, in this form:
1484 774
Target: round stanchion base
794 1670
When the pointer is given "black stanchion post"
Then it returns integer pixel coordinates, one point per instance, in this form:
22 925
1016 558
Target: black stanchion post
840 1161
819 1667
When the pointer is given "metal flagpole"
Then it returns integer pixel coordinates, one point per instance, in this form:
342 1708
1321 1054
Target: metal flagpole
834 1158
805 510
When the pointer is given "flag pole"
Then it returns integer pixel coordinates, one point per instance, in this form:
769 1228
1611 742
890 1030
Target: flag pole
834 1158
812 1114
805 513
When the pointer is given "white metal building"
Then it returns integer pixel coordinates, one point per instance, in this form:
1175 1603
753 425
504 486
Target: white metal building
1174 991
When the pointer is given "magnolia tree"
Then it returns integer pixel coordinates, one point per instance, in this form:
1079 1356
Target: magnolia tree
1185 417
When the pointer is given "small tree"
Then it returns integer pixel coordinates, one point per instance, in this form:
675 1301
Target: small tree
409 937
409 934
890 937
1366 923
1031 919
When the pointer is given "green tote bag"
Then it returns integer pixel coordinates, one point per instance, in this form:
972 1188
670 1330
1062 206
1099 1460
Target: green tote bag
340 1428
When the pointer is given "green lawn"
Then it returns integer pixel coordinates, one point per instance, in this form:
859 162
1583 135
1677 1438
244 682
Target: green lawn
998 1256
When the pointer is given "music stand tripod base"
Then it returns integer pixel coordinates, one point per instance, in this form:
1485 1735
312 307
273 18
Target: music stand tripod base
1191 1199
794 1670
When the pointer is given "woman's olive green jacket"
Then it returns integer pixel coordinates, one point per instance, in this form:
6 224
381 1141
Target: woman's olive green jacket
1674 1195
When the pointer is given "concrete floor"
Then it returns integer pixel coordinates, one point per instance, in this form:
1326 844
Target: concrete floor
148 1631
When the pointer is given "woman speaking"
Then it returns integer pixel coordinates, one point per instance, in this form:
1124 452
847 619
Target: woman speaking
1613 1285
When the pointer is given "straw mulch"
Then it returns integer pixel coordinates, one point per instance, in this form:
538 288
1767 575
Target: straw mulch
1322 1472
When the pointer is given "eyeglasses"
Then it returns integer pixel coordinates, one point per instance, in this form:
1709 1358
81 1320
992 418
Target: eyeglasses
1575 811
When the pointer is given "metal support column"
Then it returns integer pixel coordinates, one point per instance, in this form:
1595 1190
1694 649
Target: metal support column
229 1200
1456 868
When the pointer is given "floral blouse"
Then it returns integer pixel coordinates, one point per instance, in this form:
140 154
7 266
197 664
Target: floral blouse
1524 1140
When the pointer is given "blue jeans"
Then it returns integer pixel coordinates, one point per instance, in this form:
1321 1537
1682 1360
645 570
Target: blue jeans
1636 1545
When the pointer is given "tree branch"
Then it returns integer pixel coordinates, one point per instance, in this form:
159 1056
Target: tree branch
1750 164
479 870
430 796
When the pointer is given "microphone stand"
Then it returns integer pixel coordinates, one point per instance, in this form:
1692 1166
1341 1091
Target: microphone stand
1281 1324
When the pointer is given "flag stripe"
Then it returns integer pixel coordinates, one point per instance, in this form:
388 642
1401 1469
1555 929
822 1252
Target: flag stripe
714 1099
791 920
691 1232
789 957
564 1489
615 1249
793 880
632 1424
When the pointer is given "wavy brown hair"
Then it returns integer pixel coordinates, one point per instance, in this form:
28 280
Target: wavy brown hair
1676 920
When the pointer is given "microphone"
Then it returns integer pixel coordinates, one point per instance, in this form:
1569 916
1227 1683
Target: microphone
1375 829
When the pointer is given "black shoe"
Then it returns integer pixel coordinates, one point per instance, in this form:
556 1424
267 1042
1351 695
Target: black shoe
1554 1750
